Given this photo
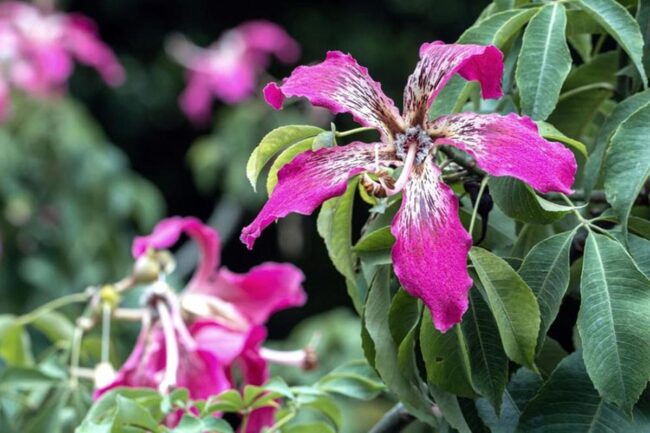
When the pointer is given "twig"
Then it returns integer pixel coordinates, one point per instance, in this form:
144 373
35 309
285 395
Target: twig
393 421
464 161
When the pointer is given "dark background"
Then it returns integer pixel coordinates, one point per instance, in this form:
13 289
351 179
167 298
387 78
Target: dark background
142 116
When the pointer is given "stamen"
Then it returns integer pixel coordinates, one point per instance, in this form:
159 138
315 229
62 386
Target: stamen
304 358
406 172
171 346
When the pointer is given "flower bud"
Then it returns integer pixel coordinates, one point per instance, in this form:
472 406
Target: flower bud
166 261
108 295
146 269
104 375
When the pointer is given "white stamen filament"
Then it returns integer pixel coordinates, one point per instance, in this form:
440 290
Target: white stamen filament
303 358
179 324
171 347
406 172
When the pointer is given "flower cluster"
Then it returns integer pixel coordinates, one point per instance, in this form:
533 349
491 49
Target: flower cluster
38 49
431 248
229 69
215 327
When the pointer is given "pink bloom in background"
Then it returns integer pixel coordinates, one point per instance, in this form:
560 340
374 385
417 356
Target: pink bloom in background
229 69
431 248
38 49
226 330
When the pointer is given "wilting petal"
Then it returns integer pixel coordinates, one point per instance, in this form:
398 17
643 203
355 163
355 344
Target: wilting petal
313 177
262 291
267 37
509 146
84 43
438 63
342 86
431 246
168 231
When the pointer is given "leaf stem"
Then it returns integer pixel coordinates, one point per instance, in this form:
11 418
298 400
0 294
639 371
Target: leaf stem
476 204
354 131
54 305
393 421
281 422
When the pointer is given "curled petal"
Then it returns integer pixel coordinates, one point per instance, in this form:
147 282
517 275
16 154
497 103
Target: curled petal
438 63
168 231
431 246
342 86
267 37
265 289
84 43
313 177
509 146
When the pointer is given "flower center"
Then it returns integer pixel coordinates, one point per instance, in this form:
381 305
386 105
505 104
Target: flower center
413 136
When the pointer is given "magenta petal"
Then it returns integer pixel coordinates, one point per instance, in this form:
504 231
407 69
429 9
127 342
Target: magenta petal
196 99
342 86
226 344
509 146
265 289
439 62
168 231
267 37
431 247
311 178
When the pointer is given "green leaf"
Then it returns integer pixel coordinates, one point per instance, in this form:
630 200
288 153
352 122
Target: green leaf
309 427
640 250
335 227
580 23
621 25
278 385
488 362
15 346
546 271
55 326
544 61
404 383
498 28
628 163
284 158
513 304
550 132
15 378
379 240
324 404
217 425
614 320
643 18
450 408
622 111
272 143
522 387
568 402
518 200
550 355
355 379
445 358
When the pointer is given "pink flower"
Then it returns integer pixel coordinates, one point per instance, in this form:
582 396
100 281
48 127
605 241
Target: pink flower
37 50
430 252
228 70
226 329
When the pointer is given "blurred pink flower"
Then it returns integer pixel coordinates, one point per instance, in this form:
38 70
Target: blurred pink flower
38 49
229 69
197 339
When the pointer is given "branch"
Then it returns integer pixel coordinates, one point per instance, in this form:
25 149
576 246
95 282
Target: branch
464 161
393 421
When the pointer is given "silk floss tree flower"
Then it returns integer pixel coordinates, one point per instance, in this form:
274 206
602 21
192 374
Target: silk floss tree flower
38 49
200 339
431 248
229 69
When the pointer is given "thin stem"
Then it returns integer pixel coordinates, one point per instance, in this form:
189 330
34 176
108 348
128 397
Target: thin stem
171 346
594 86
282 421
75 355
575 211
53 305
393 421
354 131
106 331
244 422
476 204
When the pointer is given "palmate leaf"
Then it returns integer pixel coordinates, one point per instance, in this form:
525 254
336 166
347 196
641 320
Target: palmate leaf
546 271
568 402
405 383
622 111
513 305
487 360
614 321
272 143
621 25
544 61
628 163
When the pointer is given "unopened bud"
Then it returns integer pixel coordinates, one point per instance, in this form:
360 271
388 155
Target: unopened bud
108 295
146 269
104 375
166 261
